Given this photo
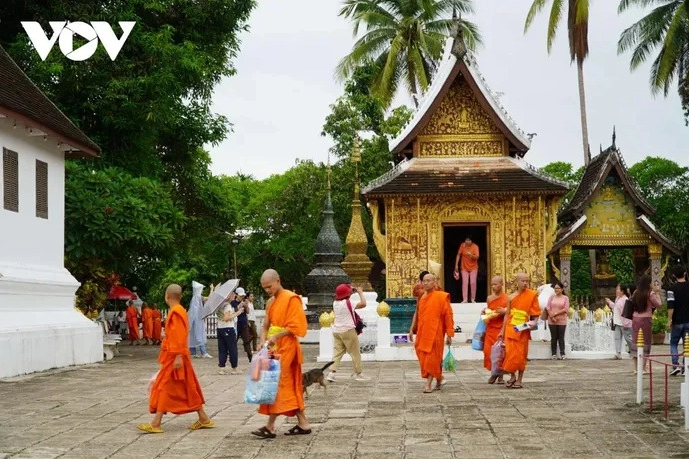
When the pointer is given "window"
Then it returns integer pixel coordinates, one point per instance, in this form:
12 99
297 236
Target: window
41 189
10 180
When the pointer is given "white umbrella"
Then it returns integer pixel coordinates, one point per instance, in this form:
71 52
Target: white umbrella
218 297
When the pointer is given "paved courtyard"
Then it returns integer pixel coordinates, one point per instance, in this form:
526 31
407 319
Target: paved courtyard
566 409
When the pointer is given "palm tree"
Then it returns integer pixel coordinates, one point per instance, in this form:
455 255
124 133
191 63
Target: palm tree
667 28
578 27
404 38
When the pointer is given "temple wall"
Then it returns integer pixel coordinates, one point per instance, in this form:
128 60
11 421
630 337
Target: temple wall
520 232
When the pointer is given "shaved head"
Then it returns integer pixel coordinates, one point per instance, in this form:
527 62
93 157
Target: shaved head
270 282
523 281
429 282
270 275
496 285
173 293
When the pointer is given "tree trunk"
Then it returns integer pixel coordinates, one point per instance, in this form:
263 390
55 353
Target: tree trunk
585 141
582 107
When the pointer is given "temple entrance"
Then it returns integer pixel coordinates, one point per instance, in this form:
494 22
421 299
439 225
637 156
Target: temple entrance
453 236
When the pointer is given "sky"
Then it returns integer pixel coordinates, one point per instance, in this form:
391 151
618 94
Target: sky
284 85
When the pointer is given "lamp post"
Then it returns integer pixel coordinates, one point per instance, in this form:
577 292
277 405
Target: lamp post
234 255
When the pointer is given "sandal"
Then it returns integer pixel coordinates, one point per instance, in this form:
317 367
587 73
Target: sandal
492 379
440 385
148 428
296 430
200 425
510 383
428 391
500 381
516 386
263 432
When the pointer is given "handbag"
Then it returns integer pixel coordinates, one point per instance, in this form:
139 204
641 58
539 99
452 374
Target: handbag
358 322
628 310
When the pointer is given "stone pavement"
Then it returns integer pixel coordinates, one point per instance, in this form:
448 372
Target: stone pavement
566 409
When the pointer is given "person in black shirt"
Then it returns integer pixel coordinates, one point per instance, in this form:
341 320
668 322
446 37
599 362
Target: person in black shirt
678 314
243 331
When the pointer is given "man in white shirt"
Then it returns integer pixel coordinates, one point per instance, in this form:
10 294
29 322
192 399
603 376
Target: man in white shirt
227 336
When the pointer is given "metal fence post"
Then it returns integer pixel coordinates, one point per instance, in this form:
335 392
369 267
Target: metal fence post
640 366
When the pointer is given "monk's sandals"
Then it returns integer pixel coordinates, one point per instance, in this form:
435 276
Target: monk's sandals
148 428
200 425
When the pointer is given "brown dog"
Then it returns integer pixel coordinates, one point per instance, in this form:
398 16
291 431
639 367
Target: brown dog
315 376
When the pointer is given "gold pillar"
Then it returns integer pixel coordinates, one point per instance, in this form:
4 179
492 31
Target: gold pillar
565 258
655 253
356 264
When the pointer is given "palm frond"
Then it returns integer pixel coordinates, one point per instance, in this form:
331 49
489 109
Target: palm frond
536 7
554 22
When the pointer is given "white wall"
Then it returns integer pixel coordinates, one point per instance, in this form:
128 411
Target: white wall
39 326
27 239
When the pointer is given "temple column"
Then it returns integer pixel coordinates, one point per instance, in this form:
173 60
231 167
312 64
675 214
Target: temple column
565 259
655 253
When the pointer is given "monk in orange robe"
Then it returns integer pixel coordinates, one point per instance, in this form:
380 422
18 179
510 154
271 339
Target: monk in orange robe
522 307
157 324
132 315
285 321
147 319
497 304
176 389
434 326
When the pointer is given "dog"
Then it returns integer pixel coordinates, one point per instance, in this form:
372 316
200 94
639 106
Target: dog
315 376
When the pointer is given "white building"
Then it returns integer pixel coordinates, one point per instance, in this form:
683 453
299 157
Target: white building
39 325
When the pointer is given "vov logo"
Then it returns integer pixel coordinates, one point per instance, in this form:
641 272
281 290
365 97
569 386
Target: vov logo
64 33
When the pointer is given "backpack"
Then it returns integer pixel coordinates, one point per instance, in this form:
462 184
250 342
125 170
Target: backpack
358 322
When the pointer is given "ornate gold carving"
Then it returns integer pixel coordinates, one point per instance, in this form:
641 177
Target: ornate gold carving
515 237
378 236
566 252
611 216
356 264
463 148
461 138
460 113
655 251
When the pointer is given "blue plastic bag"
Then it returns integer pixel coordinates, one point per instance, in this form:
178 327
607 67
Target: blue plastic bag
479 333
262 380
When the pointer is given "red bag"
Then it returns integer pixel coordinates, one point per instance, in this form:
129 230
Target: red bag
358 322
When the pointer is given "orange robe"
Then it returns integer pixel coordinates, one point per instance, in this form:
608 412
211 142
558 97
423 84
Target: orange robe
493 328
147 319
132 323
175 391
157 324
433 321
522 306
287 312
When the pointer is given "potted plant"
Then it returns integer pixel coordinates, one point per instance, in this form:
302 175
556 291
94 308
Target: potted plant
659 325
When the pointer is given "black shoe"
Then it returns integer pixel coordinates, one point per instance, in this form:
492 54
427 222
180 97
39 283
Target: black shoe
675 371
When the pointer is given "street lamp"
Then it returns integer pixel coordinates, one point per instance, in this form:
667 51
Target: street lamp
234 255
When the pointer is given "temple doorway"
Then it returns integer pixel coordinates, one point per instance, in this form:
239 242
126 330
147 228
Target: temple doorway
453 235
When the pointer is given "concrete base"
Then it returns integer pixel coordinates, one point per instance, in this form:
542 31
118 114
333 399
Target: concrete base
39 326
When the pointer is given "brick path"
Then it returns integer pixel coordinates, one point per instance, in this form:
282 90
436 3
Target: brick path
566 409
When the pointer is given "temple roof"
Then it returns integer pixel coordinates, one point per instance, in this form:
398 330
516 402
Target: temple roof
457 59
594 176
20 98
485 175
568 233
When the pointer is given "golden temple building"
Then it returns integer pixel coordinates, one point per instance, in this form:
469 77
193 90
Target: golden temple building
462 175
607 211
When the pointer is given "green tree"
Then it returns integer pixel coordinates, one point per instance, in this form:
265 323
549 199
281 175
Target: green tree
666 185
578 28
404 39
109 210
665 28
564 171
